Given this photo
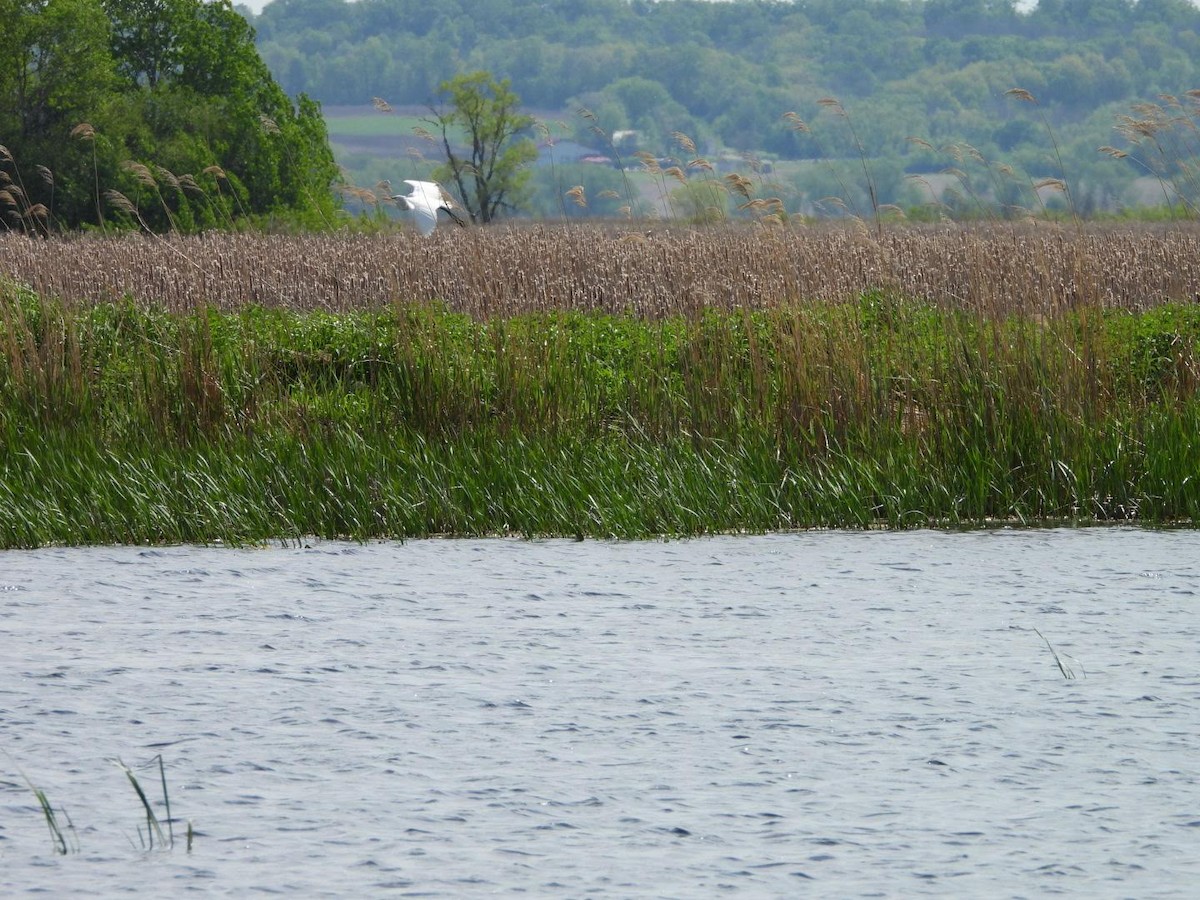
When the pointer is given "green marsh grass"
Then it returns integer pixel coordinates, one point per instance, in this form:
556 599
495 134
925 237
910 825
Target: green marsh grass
64 840
1068 672
130 421
154 829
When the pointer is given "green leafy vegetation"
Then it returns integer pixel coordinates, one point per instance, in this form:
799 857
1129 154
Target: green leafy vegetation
491 174
155 114
122 423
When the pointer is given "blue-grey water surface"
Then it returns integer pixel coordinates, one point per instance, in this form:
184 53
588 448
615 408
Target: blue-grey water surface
822 714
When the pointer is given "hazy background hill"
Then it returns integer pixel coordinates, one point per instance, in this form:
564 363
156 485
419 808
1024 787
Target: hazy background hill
921 84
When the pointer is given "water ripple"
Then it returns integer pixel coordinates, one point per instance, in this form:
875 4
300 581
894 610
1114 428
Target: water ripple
863 714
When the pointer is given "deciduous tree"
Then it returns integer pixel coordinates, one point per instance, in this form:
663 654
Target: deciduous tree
126 97
491 168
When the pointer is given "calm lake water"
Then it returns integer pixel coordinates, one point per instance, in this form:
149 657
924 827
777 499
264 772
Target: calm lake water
823 714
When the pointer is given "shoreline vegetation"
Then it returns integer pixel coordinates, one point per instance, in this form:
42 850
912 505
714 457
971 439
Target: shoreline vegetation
596 381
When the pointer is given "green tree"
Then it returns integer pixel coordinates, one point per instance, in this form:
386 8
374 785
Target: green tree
55 72
55 65
146 38
491 173
163 106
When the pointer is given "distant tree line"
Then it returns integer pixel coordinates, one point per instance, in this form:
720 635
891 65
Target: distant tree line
149 113
725 73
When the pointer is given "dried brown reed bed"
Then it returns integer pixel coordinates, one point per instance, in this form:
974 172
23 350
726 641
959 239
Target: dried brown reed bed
651 270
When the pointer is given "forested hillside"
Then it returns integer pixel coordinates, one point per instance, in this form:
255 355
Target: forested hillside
726 73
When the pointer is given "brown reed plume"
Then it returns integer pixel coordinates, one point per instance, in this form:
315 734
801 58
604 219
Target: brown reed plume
838 110
1165 142
85 132
606 136
15 205
1060 183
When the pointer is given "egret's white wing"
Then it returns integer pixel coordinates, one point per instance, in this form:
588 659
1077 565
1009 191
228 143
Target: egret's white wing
424 200
428 193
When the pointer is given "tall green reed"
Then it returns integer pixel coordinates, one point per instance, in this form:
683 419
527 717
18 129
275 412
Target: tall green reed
153 829
417 420
65 839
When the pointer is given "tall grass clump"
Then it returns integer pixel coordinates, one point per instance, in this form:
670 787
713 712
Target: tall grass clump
124 421
154 830
65 839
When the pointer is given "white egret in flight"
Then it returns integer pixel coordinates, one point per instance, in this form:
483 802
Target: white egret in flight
424 201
